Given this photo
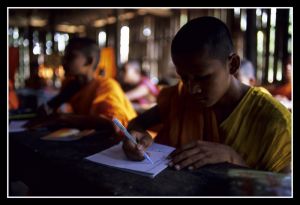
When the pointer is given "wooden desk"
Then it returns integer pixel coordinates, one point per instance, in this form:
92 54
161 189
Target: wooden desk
52 168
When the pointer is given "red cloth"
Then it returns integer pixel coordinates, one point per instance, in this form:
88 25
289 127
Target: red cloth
13 98
13 62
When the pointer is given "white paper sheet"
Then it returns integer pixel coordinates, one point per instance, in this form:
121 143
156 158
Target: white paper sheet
17 126
115 157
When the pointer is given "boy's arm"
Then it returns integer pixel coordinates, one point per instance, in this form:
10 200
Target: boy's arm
137 127
137 92
72 120
145 121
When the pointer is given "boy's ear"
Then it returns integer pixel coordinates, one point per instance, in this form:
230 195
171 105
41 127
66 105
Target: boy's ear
234 63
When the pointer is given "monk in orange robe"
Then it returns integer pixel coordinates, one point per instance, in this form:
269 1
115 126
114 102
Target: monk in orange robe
286 89
94 100
210 116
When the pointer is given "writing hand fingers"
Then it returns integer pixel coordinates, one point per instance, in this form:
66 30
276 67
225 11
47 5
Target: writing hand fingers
189 162
185 154
209 159
131 150
182 149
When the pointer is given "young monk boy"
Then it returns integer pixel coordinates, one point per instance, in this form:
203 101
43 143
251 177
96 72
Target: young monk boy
94 100
210 116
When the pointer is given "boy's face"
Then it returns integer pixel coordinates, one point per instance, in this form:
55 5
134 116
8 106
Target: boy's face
74 63
205 78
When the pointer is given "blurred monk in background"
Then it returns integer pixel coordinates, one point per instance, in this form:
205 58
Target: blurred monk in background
285 90
92 100
138 87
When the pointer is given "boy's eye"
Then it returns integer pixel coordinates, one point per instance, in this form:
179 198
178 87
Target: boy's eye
199 78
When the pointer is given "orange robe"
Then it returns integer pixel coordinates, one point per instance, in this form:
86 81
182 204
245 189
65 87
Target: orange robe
184 120
285 90
13 98
103 96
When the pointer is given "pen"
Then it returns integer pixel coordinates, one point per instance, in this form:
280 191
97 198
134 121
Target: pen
129 136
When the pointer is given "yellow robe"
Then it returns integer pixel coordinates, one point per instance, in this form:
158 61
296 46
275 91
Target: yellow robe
103 96
259 128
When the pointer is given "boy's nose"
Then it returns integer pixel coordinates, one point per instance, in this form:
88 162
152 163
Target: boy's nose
194 88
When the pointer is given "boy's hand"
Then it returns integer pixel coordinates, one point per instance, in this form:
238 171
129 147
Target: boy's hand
200 153
133 151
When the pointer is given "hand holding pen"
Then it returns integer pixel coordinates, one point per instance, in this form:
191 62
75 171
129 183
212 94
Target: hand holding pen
135 143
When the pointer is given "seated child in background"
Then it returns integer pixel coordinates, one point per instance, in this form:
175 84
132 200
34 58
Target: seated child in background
138 87
95 100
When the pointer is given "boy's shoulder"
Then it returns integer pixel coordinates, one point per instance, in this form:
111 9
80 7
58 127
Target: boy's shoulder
261 90
260 98
107 82
262 95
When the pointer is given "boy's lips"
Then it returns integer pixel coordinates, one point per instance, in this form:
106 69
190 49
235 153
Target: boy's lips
200 98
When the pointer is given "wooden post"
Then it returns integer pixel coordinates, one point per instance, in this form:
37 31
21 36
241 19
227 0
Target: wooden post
117 38
251 37
266 72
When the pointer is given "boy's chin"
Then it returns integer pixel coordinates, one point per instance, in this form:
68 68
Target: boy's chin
205 103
